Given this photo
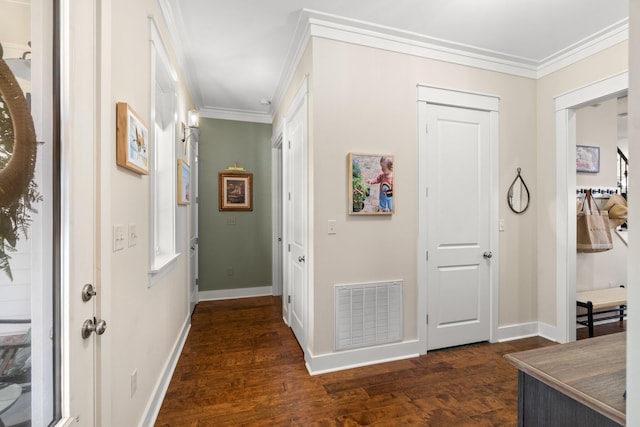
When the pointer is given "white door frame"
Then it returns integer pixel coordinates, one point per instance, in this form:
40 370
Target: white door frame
276 214
455 98
565 106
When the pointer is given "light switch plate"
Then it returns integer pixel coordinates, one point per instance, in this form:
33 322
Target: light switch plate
133 236
331 226
119 237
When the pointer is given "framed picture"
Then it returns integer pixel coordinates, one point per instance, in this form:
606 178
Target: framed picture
587 159
235 191
371 184
184 182
132 140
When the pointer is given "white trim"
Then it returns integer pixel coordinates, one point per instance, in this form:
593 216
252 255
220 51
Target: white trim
237 115
547 331
565 125
277 241
258 291
155 403
349 359
172 15
586 47
299 44
518 331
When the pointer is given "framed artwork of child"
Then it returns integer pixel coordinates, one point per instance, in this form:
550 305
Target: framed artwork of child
371 184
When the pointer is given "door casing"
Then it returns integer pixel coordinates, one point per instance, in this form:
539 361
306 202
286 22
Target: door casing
565 106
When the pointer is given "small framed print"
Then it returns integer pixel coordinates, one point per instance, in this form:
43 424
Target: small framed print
184 183
587 159
132 140
235 191
370 184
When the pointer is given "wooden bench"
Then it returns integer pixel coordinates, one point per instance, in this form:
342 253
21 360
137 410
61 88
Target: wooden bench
601 301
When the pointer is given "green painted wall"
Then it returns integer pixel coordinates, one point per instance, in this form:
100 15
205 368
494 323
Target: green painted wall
234 256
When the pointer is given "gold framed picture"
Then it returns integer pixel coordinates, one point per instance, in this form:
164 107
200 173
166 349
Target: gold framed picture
235 191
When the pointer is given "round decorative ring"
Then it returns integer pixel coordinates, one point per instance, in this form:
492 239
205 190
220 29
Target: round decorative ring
18 172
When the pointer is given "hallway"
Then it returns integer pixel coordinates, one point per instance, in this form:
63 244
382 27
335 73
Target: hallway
242 366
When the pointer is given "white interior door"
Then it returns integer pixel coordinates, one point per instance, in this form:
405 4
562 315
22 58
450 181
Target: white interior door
296 220
457 219
79 215
193 225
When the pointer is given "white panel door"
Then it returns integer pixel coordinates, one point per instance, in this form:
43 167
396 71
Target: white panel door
458 226
296 222
79 211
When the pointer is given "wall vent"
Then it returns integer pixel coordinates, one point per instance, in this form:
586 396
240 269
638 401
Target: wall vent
368 314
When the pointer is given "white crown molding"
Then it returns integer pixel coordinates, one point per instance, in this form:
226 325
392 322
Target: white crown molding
317 24
237 115
591 45
172 17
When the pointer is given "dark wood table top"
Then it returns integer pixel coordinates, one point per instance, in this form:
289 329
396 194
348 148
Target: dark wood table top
591 371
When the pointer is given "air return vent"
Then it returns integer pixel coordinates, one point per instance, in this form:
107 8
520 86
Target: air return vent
368 314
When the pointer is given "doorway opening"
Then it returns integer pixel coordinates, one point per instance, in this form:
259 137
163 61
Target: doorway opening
566 141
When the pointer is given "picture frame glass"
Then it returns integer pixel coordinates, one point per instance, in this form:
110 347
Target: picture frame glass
371 184
235 191
587 159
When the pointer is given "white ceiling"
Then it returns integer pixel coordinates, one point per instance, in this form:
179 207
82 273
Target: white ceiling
236 52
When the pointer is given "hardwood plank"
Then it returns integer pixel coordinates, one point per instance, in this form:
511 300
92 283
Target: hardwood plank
241 365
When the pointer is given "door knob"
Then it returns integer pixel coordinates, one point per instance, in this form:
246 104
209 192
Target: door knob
301 258
90 326
88 292
487 254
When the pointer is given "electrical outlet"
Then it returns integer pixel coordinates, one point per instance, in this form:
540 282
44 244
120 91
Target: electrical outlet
501 224
134 382
231 220
331 226
133 236
119 237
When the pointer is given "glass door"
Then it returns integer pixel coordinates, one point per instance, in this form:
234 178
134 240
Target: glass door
27 203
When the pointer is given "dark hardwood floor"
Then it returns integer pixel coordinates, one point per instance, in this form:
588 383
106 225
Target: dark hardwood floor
241 366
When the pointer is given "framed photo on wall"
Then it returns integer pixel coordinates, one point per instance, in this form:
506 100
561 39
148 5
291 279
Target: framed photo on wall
132 140
371 184
587 159
235 191
184 183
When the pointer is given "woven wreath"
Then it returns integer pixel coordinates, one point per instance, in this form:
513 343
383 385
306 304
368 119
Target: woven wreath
18 172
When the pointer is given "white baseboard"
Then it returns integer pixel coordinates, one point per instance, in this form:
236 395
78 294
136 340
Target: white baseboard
258 291
356 358
547 331
518 331
155 403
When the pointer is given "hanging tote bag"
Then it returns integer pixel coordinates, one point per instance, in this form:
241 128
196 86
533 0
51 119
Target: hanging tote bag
593 231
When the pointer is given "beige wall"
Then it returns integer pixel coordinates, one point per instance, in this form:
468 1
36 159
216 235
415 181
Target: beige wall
365 101
604 64
146 320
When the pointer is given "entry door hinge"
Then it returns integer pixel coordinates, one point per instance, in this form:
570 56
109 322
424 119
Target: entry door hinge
288 299
289 247
197 281
197 240
427 319
289 144
289 195
426 192
426 128
197 199
427 255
